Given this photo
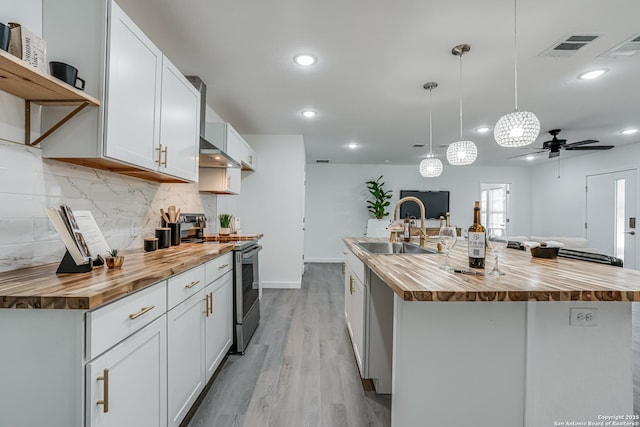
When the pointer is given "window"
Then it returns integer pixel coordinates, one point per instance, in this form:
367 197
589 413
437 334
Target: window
494 202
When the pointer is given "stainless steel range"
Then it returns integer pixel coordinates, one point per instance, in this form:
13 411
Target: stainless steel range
246 301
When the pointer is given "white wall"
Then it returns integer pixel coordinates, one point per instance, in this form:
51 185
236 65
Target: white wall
336 195
272 202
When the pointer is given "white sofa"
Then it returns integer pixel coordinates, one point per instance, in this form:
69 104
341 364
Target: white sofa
576 243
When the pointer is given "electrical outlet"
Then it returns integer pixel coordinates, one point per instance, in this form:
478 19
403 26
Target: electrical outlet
135 229
583 316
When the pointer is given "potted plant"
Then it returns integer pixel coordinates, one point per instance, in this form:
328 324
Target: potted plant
377 204
114 260
225 223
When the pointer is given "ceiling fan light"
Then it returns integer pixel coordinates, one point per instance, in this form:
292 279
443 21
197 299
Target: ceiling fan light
462 153
517 129
430 167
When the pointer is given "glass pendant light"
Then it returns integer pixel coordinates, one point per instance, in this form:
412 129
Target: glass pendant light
431 166
461 153
519 128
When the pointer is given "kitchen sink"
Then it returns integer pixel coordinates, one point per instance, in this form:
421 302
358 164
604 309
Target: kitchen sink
394 248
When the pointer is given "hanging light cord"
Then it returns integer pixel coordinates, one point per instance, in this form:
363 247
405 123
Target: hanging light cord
515 53
461 53
430 128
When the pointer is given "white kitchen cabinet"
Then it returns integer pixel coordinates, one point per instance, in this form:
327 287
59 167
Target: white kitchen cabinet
186 375
148 123
227 139
127 385
219 324
248 159
355 312
220 180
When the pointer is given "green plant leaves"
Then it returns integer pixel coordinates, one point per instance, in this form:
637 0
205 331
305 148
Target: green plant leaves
380 198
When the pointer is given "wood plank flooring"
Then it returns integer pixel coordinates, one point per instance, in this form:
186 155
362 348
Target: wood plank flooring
299 368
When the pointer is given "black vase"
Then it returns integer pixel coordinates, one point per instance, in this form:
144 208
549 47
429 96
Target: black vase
5 36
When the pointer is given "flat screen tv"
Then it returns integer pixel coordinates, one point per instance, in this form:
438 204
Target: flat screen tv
436 203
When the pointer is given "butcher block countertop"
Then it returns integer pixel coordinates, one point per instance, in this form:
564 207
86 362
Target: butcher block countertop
419 278
41 287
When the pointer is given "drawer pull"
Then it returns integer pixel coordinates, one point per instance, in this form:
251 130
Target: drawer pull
105 390
223 266
192 284
206 304
211 303
351 284
141 312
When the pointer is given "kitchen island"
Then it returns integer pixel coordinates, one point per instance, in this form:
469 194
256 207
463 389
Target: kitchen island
497 351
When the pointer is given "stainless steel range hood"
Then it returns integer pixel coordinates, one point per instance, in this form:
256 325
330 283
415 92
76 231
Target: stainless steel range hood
212 151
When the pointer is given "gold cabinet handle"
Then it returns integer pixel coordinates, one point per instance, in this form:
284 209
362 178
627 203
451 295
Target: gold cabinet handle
223 266
211 303
207 304
351 285
159 161
105 390
166 155
192 284
141 312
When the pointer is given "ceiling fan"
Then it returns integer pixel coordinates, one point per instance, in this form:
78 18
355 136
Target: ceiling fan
555 145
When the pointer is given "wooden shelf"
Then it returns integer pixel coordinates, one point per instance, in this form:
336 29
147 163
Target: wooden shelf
31 84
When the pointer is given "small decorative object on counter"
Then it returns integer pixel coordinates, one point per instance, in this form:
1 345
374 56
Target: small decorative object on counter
164 237
477 240
114 260
150 244
225 223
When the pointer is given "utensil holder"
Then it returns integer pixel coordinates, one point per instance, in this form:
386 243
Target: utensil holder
175 233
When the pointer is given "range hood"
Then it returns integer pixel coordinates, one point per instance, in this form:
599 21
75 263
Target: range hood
212 150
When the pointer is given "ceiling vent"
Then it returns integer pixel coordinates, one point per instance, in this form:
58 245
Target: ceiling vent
322 161
418 145
627 48
569 45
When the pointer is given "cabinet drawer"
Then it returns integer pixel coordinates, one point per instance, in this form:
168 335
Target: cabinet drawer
112 323
218 267
183 285
356 266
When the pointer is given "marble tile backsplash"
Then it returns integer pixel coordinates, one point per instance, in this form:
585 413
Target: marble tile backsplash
29 184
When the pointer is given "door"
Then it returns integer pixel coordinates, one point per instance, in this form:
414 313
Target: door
127 386
611 214
179 124
219 323
185 337
133 93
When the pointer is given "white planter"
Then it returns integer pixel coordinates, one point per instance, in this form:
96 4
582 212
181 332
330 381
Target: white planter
378 227
224 231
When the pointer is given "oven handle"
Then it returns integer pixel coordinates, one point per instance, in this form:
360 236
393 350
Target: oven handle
249 254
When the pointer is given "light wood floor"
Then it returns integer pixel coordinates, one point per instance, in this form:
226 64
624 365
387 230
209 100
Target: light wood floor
299 369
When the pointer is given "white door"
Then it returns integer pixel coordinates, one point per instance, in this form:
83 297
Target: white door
127 386
611 214
179 124
218 325
133 93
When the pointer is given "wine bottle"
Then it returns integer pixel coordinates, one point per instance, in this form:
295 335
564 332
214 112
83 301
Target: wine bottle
407 229
477 240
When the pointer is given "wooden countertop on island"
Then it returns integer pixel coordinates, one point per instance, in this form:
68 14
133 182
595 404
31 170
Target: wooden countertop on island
41 287
419 278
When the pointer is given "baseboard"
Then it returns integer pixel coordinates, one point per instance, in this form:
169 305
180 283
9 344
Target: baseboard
280 285
325 260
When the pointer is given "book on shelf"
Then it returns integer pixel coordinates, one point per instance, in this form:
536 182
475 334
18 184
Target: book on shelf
79 233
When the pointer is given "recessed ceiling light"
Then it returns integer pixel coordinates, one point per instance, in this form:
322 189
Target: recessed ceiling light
483 129
530 158
352 145
305 59
629 131
590 75
309 114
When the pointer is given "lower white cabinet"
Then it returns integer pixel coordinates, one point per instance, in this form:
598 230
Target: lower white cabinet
355 312
127 385
218 325
185 330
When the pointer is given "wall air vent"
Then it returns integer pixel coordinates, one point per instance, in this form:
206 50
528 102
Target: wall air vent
628 47
569 45
418 145
322 161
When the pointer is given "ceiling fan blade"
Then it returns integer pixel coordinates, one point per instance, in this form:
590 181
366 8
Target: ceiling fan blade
527 154
594 147
579 143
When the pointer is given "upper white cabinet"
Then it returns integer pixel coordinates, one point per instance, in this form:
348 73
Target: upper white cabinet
220 180
248 159
148 124
227 139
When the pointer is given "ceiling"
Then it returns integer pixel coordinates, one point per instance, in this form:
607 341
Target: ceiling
374 57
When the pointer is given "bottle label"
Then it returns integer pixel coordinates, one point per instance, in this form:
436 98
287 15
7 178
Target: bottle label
476 244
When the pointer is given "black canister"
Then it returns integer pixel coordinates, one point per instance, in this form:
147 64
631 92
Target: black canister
150 244
164 237
175 233
5 36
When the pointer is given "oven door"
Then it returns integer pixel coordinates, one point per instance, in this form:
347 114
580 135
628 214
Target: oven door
247 282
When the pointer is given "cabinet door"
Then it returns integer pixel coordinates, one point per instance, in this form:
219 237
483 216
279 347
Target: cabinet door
179 124
127 385
348 298
220 180
132 115
357 322
235 144
185 329
218 328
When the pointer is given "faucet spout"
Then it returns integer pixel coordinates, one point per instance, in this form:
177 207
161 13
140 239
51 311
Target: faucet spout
423 231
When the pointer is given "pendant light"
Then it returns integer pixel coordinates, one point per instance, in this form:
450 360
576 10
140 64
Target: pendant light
519 128
431 166
461 153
